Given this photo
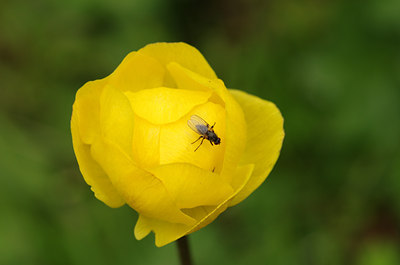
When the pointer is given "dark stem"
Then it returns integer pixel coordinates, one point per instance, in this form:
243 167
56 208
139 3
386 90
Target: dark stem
184 251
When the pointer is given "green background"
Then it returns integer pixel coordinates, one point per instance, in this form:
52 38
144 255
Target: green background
332 67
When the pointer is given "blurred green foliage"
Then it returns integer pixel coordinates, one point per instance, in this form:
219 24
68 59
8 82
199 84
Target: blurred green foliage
332 67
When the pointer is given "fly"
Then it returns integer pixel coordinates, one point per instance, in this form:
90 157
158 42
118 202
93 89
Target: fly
206 131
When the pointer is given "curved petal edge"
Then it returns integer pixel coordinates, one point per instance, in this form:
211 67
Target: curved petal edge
264 139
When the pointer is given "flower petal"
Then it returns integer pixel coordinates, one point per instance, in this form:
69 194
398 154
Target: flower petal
176 140
92 172
235 136
85 129
182 77
136 72
165 105
116 118
142 227
264 139
140 189
182 53
146 143
86 108
167 232
241 176
186 79
190 186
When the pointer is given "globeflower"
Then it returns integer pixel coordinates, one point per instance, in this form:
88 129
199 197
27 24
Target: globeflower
134 145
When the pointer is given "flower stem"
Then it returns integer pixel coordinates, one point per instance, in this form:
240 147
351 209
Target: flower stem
184 251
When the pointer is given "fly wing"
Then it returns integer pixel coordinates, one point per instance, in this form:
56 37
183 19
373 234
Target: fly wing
198 125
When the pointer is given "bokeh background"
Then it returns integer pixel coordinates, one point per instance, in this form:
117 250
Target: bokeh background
332 67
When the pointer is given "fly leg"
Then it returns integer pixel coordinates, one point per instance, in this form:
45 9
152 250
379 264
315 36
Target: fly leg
200 143
198 139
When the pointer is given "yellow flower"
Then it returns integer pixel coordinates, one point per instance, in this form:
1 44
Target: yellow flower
133 144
